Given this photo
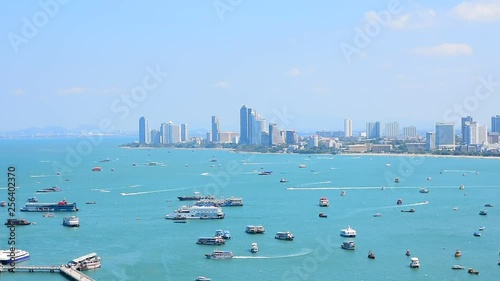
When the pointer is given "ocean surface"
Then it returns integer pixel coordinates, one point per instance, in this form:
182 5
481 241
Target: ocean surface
128 229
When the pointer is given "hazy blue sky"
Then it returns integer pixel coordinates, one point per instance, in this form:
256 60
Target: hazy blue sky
303 64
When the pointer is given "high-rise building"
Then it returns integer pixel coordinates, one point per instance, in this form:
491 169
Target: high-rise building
164 132
144 135
291 137
475 134
215 129
184 132
373 130
274 134
174 133
409 132
445 135
430 141
244 126
465 121
495 123
313 141
347 128
155 136
392 130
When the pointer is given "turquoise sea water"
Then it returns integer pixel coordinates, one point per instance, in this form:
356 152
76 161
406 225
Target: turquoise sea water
126 226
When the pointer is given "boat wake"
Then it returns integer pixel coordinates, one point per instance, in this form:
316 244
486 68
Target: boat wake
153 191
40 176
205 174
314 183
458 171
301 253
135 185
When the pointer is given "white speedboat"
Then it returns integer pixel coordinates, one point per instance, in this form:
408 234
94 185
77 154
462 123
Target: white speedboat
457 266
7 256
252 229
203 278
348 232
423 190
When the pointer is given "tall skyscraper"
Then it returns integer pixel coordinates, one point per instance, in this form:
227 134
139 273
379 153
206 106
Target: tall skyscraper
164 132
174 131
475 134
184 132
495 123
144 135
215 129
465 121
430 141
291 137
373 130
244 130
445 135
347 128
274 134
392 130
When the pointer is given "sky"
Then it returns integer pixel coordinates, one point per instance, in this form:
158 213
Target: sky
305 65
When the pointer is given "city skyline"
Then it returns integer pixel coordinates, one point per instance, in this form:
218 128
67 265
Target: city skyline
417 63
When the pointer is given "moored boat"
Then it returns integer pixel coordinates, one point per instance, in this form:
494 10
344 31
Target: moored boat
477 234
415 263
348 245
284 235
348 232
489 205
71 221
17 222
377 215
423 190
457 266
458 253
409 211
8 256
323 215
211 241
324 202
254 248
399 202
371 255
252 229
96 169
86 262
3 204
283 180
203 278
483 212
472 271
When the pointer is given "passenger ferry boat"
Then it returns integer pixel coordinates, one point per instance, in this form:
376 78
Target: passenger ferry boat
71 221
90 261
17 222
348 245
61 206
197 212
218 254
211 241
19 256
348 232
324 202
284 236
252 229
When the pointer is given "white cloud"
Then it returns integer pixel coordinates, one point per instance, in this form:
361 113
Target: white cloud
445 49
222 84
479 11
72 91
420 18
294 71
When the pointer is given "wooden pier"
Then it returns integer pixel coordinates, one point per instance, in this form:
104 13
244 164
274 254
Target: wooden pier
62 269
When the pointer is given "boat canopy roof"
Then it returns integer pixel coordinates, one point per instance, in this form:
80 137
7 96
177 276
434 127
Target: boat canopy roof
82 258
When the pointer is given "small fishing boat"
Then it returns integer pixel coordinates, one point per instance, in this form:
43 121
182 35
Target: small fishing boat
472 271
458 253
323 215
371 255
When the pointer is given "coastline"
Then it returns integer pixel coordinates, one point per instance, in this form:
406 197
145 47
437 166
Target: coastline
419 155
